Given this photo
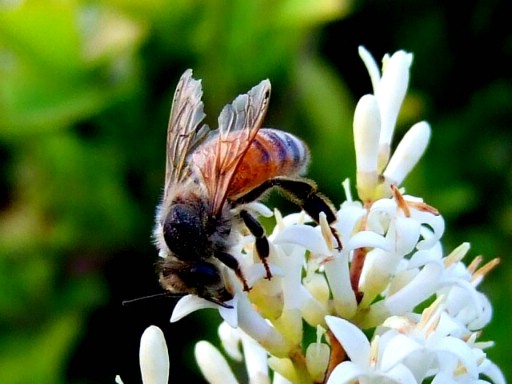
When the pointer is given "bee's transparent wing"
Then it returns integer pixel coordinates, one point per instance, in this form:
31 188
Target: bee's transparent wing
184 132
239 123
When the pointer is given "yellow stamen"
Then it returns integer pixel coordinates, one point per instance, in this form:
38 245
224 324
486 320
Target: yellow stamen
406 205
402 204
485 269
473 266
430 316
326 231
456 255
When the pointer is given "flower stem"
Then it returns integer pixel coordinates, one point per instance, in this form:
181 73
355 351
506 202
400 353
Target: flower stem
358 258
356 269
338 354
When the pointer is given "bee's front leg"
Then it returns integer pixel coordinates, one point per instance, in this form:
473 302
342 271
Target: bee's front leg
231 262
261 243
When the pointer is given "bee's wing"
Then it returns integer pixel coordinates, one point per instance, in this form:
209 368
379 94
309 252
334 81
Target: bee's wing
184 132
239 123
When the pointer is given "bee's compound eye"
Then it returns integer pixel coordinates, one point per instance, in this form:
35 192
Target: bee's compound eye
205 274
183 232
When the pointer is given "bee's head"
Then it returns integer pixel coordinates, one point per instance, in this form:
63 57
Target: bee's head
211 284
200 278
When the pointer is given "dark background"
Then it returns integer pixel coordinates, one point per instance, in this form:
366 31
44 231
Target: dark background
85 90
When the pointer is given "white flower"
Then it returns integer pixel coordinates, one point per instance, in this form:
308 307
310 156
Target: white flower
254 355
434 345
154 359
317 357
213 365
389 307
389 90
364 364
374 124
216 369
407 154
405 350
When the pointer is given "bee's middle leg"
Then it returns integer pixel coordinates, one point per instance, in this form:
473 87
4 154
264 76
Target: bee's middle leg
261 243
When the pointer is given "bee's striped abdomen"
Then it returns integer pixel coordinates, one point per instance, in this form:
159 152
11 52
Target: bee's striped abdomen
272 153
287 152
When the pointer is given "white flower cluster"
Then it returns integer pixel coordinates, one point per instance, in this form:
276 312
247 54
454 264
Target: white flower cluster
390 307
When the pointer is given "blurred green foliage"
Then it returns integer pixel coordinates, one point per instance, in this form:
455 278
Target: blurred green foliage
85 90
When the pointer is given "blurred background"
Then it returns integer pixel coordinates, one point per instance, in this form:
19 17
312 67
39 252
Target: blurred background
85 92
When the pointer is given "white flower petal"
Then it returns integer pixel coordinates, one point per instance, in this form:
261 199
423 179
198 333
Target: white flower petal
403 234
401 374
368 239
256 272
279 379
484 314
381 213
313 311
397 349
409 151
188 304
255 360
391 91
461 351
316 284
416 291
284 367
345 373
154 358
378 268
371 66
230 315
449 326
366 134
253 324
443 378
422 362
494 373
467 305
213 365
259 208
291 281
349 216
420 258
317 360
434 222
230 338
351 338
305 236
453 348
296 218
338 276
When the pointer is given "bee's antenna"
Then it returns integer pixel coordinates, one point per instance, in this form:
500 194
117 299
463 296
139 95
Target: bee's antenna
156 295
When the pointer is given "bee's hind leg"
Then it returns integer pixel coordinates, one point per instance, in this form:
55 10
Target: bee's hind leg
302 192
305 194
261 243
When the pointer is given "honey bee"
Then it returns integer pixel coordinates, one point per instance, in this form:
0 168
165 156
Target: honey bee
211 176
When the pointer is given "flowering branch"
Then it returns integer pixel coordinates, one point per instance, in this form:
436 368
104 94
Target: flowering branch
389 307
